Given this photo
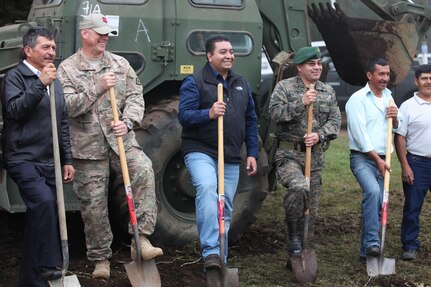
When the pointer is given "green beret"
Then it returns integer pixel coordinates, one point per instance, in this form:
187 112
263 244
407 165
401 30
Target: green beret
305 54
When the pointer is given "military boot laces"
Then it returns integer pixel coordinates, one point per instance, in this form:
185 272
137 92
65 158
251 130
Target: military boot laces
294 247
148 251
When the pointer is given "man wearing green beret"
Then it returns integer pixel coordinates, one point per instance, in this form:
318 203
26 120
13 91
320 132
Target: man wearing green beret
288 108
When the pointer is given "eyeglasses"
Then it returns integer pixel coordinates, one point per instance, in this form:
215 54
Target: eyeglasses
314 63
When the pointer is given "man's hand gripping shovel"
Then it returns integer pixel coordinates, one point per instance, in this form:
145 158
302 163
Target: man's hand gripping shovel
70 280
381 265
141 273
305 266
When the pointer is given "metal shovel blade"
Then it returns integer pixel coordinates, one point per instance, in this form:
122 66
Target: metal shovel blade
380 266
145 275
226 277
305 266
67 281
230 277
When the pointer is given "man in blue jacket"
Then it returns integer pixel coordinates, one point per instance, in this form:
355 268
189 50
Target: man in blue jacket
198 113
28 153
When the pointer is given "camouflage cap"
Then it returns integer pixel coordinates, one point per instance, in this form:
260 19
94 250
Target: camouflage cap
306 53
98 23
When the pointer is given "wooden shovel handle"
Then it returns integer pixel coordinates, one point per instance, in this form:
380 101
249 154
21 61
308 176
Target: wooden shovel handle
57 166
120 143
308 148
123 162
388 149
220 144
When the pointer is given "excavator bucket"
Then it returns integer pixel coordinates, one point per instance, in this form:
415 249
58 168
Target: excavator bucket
352 42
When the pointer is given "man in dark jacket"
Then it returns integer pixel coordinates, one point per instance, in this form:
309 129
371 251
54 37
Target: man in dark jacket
28 153
198 113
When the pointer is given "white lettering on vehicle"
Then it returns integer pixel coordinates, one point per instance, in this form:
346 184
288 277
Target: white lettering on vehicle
88 8
142 28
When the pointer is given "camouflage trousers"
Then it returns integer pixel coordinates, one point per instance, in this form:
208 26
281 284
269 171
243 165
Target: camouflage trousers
290 173
91 187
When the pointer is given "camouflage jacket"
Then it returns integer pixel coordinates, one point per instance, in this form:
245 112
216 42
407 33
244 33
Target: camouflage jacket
90 108
290 117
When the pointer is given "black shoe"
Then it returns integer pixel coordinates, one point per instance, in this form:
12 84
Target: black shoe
409 255
50 273
373 251
212 261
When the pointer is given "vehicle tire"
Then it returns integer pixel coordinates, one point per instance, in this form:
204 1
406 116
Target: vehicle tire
160 138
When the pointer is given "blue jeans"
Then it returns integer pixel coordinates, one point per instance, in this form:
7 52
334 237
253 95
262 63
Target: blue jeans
414 199
203 171
371 181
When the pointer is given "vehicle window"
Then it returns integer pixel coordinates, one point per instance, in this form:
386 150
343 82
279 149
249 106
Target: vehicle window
136 60
242 42
46 2
123 1
235 3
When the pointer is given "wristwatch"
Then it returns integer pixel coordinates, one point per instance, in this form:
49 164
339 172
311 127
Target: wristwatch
322 138
129 124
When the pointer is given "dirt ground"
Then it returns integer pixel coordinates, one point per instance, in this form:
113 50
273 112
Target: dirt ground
180 267
177 267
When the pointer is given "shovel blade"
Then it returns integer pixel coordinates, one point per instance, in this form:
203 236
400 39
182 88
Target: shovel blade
230 277
380 266
305 266
67 281
145 275
226 277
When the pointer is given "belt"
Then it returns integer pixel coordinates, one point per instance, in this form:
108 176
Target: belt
299 147
352 151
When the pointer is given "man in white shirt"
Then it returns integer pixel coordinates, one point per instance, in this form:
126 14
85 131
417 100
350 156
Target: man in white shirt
414 154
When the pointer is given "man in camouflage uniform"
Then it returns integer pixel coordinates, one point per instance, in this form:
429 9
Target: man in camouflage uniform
288 109
86 77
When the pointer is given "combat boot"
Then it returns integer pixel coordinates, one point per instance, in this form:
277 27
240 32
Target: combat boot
148 251
101 270
294 246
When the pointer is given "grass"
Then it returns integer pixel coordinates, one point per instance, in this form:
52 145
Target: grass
337 234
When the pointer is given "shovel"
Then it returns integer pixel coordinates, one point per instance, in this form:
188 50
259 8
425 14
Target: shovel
305 266
141 273
71 280
381 265
226 277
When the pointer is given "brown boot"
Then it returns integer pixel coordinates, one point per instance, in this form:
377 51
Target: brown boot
101 270
148 251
